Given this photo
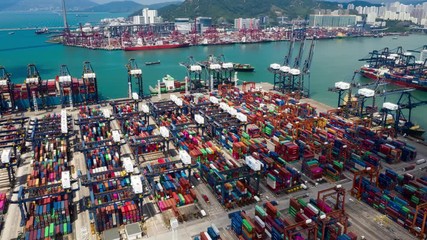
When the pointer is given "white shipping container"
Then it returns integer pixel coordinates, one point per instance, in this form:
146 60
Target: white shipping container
260 222
267 232
207 236
271 183
315 210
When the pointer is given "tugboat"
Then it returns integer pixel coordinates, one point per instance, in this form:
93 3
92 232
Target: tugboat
168 85
243 67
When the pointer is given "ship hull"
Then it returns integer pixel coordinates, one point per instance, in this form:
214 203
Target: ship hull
244 69
156 47
393 79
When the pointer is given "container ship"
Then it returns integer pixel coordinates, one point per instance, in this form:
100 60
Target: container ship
399 68
157 45
168 84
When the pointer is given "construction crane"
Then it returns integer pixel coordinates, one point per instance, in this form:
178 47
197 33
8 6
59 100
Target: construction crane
90 83
7 101
135 73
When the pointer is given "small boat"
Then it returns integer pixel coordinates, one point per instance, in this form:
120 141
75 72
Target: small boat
11 33
394 37
42 31
243 67
167 85
152 63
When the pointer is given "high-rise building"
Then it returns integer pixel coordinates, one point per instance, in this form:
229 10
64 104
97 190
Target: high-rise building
246 23
183 25
333 20
148 17
203 23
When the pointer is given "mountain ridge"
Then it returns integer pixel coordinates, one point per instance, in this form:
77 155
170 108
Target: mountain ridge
230 9
40 5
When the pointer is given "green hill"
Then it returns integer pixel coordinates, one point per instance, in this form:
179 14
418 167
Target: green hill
116 7
230 9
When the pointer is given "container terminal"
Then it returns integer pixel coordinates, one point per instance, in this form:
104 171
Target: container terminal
248 161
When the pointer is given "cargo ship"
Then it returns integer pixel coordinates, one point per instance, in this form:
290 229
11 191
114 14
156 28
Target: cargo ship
155 46
243 67
167 85
397 67
394 77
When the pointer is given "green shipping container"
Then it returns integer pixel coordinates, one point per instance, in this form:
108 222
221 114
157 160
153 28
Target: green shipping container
260 210
51 229
247 225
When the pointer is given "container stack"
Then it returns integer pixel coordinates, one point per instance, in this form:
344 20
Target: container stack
287 150
312 169
50 160
3 203
212 233
111 192
333 170
174 190
49 219
397 196
50 213
96 127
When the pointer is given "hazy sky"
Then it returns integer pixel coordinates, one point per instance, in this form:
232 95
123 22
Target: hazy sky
138 1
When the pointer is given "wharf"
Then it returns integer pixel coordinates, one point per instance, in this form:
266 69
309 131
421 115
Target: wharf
363 218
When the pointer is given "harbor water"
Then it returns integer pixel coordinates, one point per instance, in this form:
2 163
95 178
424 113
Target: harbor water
334 60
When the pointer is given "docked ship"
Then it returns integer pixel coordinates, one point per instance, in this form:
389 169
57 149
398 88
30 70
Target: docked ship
168 85
140 46
394 77
398 68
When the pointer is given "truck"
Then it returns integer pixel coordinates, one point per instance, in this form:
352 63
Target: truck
420 161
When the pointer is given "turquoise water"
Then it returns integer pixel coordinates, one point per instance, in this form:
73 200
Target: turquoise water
334 60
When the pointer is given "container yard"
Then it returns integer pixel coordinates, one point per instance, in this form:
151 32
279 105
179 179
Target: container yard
238 163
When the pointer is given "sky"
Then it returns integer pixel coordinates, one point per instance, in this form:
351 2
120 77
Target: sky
138 1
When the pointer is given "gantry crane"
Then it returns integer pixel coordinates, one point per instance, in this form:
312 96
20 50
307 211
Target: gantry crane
305 89
135 73
194 74
65 86
7 101
414 229
281 73
371 172
90 83
338 210
34 87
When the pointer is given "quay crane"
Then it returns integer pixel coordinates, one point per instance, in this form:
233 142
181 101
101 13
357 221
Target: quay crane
281 73
345 93
135 73
194 74
90 83
7 101
287 79
406 102
34 87
65 86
